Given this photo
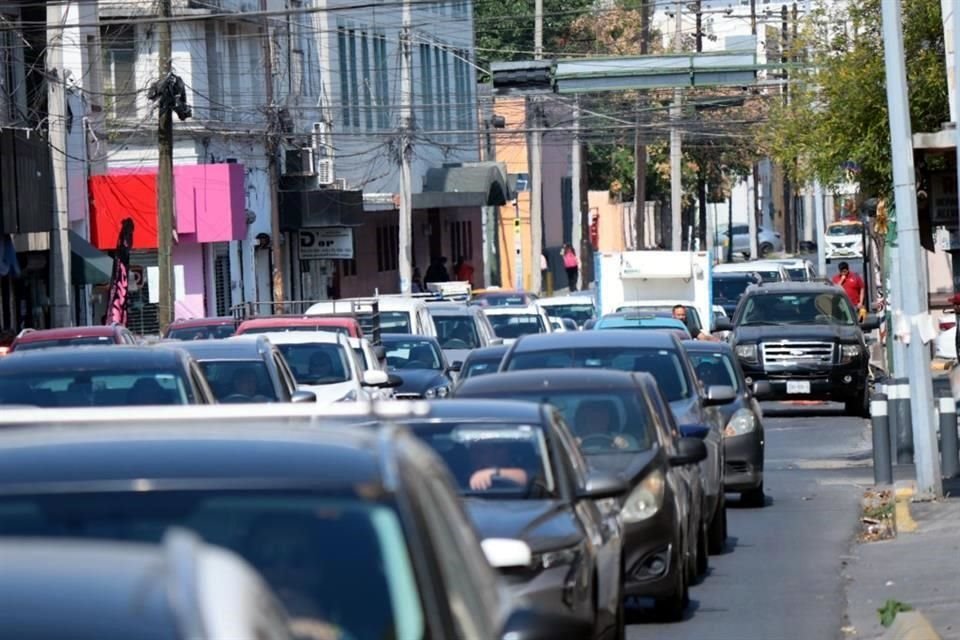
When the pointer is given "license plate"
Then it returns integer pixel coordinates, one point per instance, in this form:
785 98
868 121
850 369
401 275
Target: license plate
798 386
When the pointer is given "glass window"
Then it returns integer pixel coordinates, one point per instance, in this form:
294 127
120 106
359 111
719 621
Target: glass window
495 460
317 363
478 367
714 369
514 326
337 564
412 354
239 381
772 275
93 389
729 289
212 332
456 332
799 308
663 364
345 85
579 313
800 273
846 229
65 342
394 322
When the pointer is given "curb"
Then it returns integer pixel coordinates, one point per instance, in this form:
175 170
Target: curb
911 625
903 493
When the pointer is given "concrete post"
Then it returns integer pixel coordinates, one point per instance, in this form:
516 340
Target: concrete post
882 462
899 400
949 457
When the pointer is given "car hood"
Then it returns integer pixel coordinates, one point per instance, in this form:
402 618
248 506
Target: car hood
630 466
330 393
544 525
826 332
419 380
456 355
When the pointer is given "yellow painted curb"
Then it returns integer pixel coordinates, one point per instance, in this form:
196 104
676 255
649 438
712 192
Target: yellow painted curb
911 625
901 510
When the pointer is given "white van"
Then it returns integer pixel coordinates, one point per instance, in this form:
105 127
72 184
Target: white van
398 314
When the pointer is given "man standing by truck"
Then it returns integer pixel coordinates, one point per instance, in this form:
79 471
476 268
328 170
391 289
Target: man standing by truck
852 284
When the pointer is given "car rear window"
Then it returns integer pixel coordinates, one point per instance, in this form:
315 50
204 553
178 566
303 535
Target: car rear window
93 389
212 332
84 341
714 369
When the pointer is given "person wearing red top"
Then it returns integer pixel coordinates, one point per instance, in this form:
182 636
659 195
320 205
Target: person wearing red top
851 283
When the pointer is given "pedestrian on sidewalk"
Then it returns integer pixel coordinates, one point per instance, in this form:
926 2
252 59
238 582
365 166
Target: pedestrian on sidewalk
852 285
571 264
463 270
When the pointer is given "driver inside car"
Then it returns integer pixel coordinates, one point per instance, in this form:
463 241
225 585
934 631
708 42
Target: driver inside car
491 459
244 382
597 420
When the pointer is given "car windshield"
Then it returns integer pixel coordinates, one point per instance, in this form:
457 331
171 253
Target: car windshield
729 289
317 363
239 381
412 354
639 322
517 325
496 460
797 308
714 369
211 332
479 367
92 388
456 332
848 229
579 313
798 273
664 311
394 322
770 275
302 327
84 341
663 364
337 564
602 421
504 300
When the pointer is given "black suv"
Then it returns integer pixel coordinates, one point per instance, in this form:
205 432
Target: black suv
805 340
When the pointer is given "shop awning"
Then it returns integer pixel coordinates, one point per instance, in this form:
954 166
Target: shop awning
477 184
88 265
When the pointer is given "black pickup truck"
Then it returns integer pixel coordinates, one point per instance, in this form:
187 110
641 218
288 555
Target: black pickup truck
803 338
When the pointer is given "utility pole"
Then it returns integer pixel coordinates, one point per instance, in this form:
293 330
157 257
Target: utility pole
701 177
405 214
788 210
579 214
676 151
821 226
60 283
165 175
273 168
753 209
536 162
914 299
640 149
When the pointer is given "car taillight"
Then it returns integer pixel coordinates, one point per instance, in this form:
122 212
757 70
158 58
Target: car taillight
4 351
947 324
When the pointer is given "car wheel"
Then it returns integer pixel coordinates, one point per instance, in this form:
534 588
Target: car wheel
766 249
754 498
703 554
717 537
858 407
620 626
671 608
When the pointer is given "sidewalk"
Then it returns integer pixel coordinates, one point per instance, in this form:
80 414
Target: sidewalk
921 569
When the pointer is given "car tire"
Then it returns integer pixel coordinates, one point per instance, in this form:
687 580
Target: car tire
703 553
620 626
717 537
754 498
858 407
671 608
766 249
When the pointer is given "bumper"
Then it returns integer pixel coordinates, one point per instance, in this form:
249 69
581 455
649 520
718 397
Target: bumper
838 384
652 555
743 461
545 591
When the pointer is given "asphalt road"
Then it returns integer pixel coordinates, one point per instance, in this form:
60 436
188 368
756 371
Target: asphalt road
781 575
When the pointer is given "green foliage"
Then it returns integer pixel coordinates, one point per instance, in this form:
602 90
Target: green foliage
888 612
838 110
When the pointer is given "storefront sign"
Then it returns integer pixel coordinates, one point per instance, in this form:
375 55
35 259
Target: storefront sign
326 243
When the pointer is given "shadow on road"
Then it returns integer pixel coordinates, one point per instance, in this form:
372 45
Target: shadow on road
641 611
738 503
783 410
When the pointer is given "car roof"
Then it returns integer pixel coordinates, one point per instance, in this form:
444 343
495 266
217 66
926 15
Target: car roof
248 347
798 286
303 337
384 303
734 275
588 339
640 304
493 351
242 450
556 301
512 311
39 335
746 267
557 379
301 321
453 309
202 322
482 410
96 357
400 337
707 346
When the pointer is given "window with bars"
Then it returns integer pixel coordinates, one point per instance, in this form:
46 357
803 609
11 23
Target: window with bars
388 238
119 60
382 71
345 84
367 81
221 283
461 239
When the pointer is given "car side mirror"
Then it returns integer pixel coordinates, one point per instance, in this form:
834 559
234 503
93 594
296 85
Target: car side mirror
723 324
375 378
536 624
303 395
393 381
507 553
589 324
456 366
762 389
602 484
689 451
720 394
870 323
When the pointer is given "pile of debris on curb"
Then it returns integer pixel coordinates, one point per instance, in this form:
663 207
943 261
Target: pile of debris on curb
877 516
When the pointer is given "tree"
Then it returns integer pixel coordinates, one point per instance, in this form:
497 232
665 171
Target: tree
838 109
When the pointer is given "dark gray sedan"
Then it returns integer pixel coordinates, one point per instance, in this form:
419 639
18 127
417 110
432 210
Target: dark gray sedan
743 436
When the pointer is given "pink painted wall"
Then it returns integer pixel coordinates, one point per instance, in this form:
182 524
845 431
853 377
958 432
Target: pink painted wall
211 203
191 303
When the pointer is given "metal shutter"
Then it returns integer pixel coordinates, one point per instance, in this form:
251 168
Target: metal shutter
221 277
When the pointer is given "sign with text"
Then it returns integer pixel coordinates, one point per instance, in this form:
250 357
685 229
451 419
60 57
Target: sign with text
326 243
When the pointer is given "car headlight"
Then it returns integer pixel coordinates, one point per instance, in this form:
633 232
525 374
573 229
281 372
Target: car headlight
350 397
849 352
437 392
558 558
743 421
644 501
746 352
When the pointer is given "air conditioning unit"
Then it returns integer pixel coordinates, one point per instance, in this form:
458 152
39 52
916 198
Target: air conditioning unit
324 169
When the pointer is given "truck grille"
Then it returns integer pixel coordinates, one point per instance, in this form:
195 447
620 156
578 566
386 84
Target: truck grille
788 353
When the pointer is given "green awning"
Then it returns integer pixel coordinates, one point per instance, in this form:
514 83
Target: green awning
88 265
476 184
